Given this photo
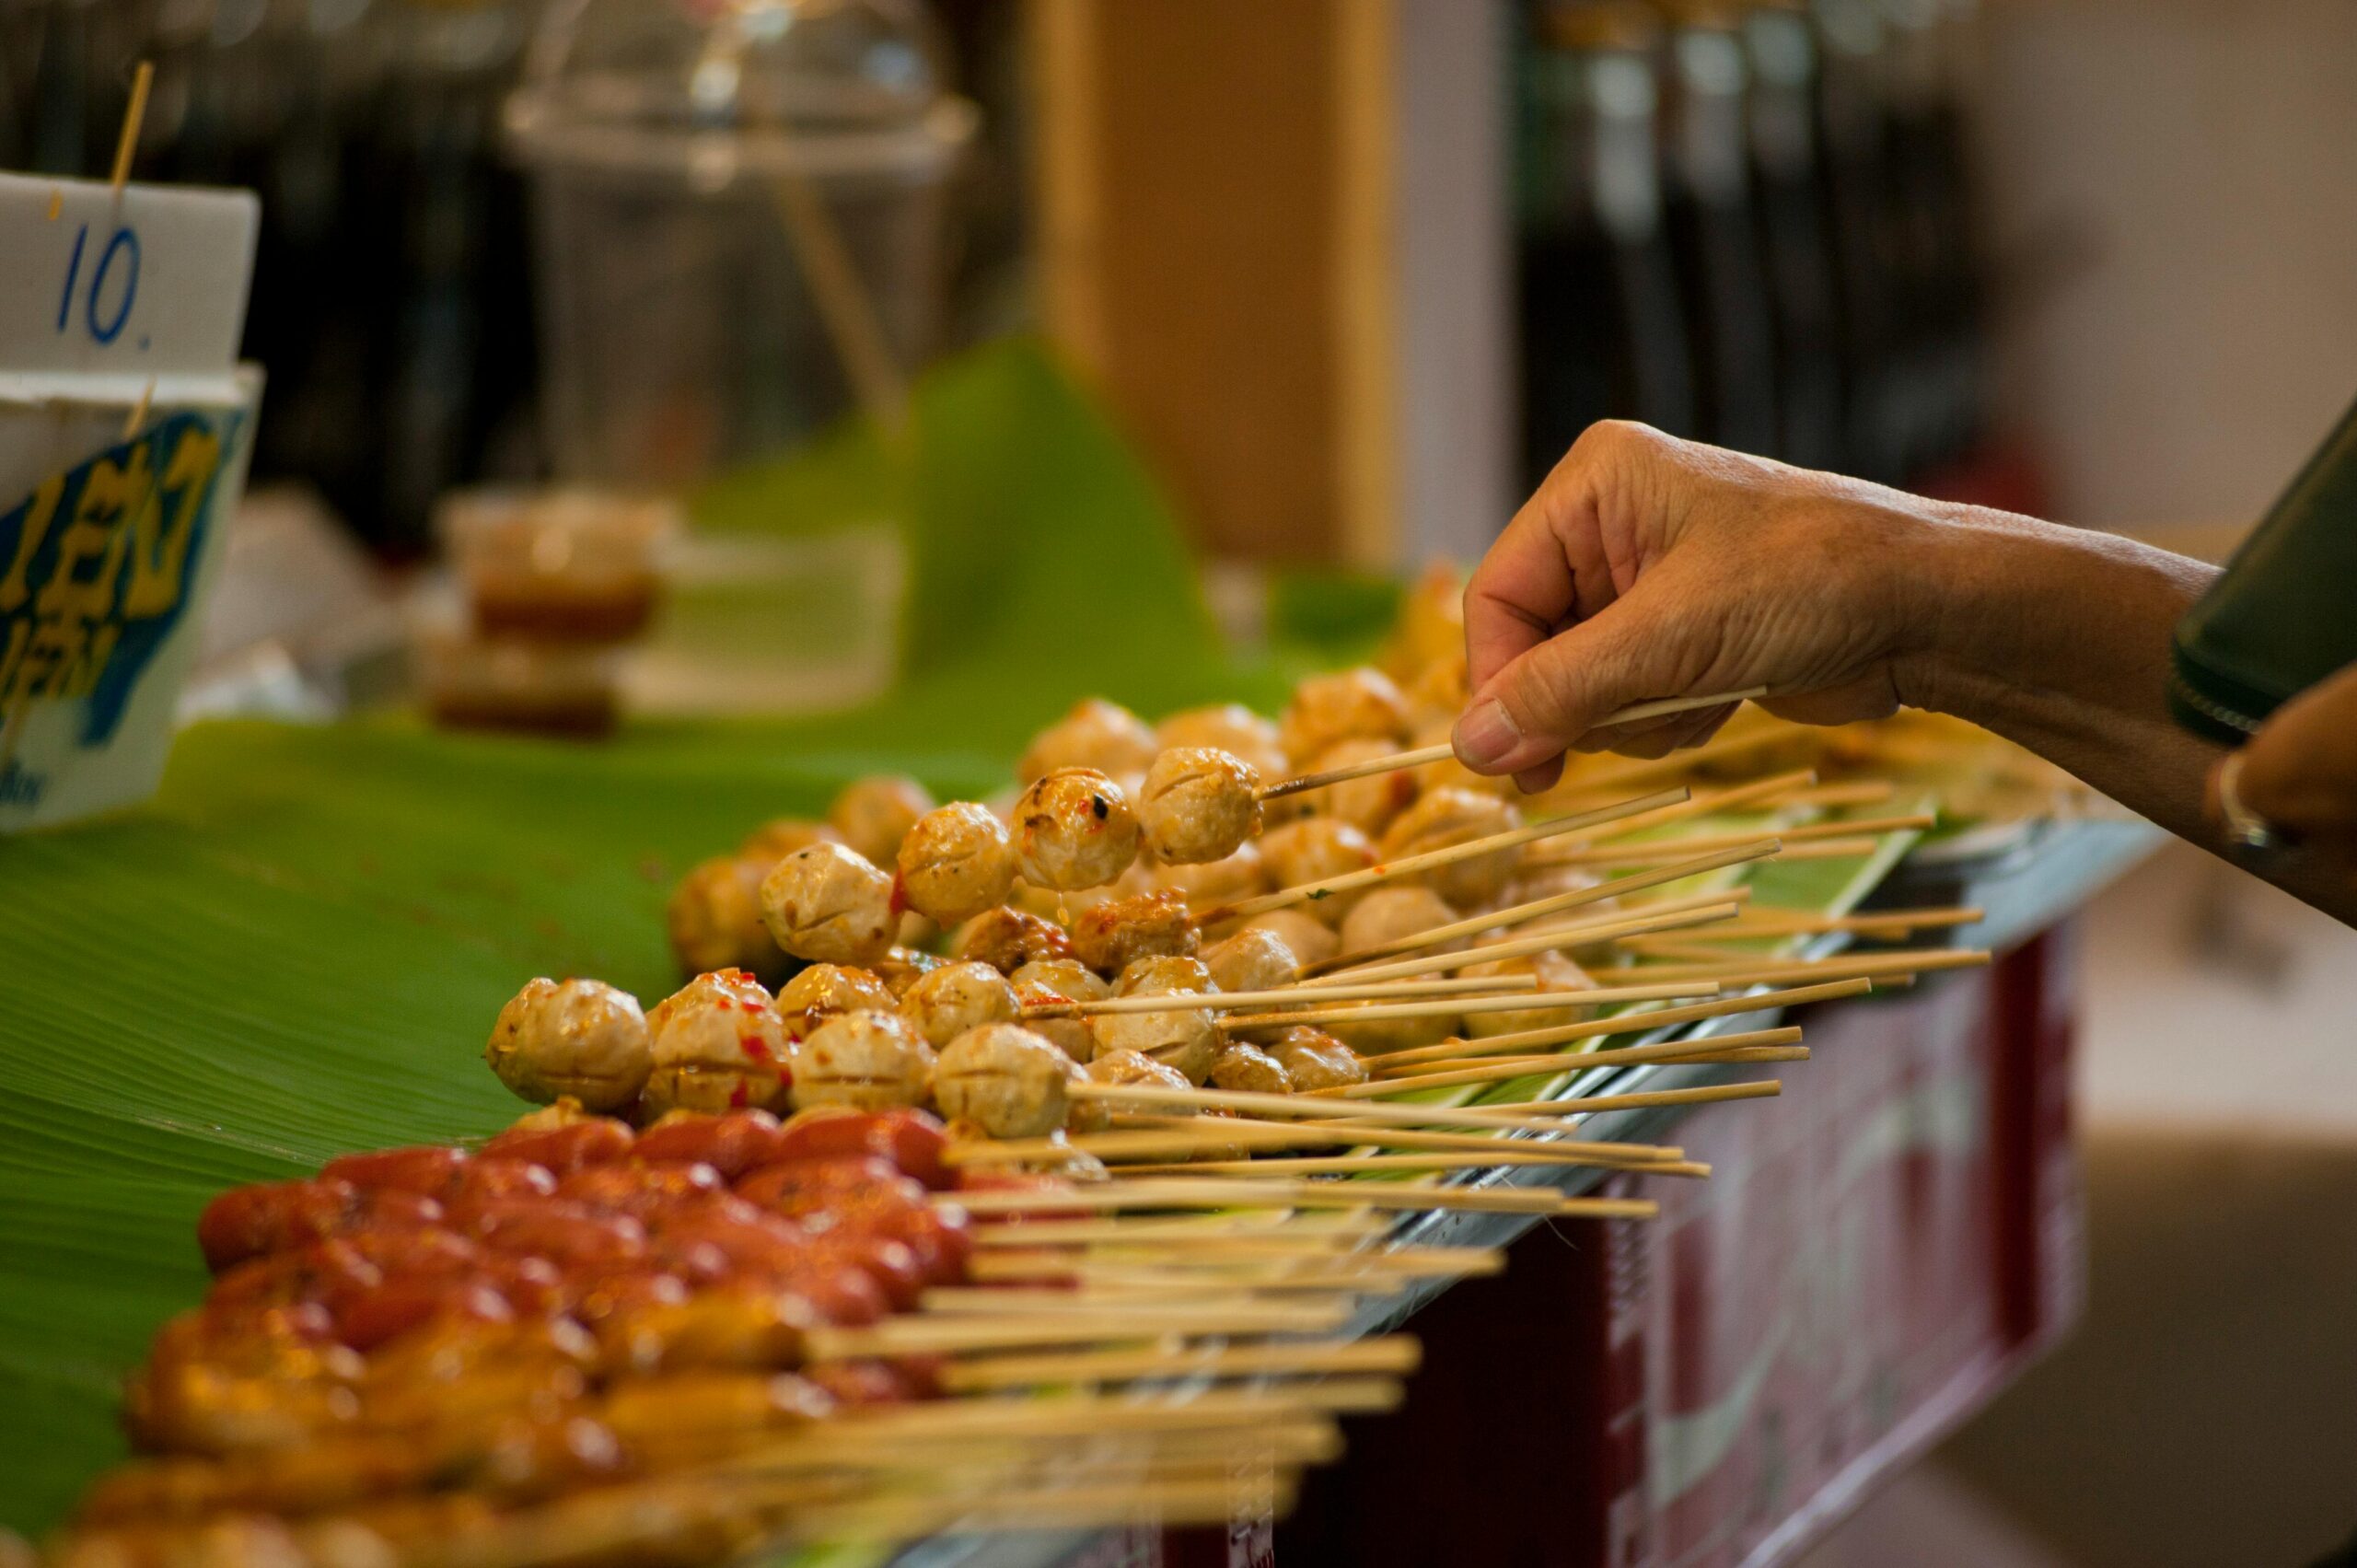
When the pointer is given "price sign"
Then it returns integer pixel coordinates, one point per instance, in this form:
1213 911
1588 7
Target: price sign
124 424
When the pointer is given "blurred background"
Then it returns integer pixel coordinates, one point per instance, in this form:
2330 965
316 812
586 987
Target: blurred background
544 287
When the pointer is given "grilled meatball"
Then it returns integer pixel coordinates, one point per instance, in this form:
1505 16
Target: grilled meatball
1255 959
1096 734
870 1061
1198 806
1006 939
1311 940
828 904
1240 876
822 990
1555 973
579 1038
1231 728
1249 1069
1315 1060
956 998
1005 1079
1188 1040
1074 829
1388 915
874 814
715 919
717 1046
902 968
957 862
1368 804
1125 1068
1317 850
1442 819
773 842
1113 936
1352 704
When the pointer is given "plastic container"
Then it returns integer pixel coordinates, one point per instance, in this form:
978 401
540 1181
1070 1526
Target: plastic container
733 203
572 565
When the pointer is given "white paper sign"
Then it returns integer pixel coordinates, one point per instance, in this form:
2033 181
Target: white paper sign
125 423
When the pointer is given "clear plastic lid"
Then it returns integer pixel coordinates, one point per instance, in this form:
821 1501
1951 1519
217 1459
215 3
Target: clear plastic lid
713 89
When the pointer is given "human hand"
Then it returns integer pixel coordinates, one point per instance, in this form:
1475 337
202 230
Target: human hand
2299 776
1647 567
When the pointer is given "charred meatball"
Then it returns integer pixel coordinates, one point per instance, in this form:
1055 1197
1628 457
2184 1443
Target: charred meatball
828 904
1074 829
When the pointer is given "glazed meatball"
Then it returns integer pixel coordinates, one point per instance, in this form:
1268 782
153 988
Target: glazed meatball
1379 1035
1198 806
1187 1040
874 814
1074 829
1064 906
1068 1035
576 1039
1006 939
902 968
1315 1060
1238 877
1230 727
956 998
868 1061
1317 850
1430 627
1255 959
1248 1069
1555 973
1388 915
717 1045
1368 804
1353 705
773 842
1005 1079
1162 975
828 904
1311 940
822 990
1055 980
1442 819
1113 936
714 920
1126 1068
1096 734
957 862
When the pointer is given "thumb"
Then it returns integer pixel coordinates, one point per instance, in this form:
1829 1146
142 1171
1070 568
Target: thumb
1548 697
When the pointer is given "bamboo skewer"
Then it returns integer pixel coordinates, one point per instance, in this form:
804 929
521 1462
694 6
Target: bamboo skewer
1417 1074
1709 1094
1305 1233
1449 1008
134 115
956 1335
1759 923
1738 971
1214 1001
1422 1076
1431 860
1393 1354
1507 1069
1539 908
1189 1134
1862 828
1760 794
1672 914
1355 1165
1210 1295
1320 1104
1829 989
1423 756
1175 1193
1664 1052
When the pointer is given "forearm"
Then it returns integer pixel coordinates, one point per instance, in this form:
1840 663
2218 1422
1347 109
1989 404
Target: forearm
2059 639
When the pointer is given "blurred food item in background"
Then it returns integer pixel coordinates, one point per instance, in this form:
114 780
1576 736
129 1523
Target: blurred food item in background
554 584
738 215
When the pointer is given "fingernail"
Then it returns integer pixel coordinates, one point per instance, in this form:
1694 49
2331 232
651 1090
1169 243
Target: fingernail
1485 735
